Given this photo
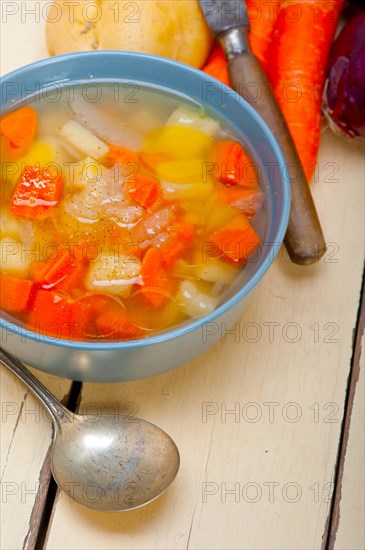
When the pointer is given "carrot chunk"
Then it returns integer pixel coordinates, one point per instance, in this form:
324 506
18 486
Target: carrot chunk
248 201
64 272
181 235
233 166
236 240
37 191
14 293
103 317
52 314
17 131
120 155
155 278
144 190
117 327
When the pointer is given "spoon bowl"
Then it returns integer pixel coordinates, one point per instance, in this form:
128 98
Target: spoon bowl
111 463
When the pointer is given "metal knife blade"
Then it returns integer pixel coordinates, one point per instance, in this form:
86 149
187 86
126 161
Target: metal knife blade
222 15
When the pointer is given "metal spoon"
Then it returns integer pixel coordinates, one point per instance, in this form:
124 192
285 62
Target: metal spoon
108 463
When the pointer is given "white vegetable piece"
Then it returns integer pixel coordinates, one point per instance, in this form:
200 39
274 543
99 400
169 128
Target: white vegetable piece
183 116
15 257
84 173
193 302
84 141
100 193
215 271
114 273
105 126
20 229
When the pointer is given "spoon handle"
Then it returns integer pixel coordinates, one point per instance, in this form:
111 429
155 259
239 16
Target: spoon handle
57 411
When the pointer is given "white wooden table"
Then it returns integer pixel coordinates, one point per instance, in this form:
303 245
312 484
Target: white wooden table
269 423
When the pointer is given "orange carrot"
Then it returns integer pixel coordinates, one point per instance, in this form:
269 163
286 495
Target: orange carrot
155 278
64 272
216 65
120 155
302 37
248 201
262 15
51 314
100 316
144 190
14 293
117 327
37 190
233 165
17 131
236 240
181 235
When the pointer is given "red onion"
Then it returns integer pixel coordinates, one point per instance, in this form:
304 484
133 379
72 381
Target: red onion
344 98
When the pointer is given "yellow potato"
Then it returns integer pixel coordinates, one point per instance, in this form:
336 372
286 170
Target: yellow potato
181 171
169 28
178 142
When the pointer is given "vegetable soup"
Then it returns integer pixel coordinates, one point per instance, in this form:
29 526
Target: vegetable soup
121 217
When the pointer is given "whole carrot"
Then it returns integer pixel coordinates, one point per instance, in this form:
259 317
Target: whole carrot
217 65
299 50
262 15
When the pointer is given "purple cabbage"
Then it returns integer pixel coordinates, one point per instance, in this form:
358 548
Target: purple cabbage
344 97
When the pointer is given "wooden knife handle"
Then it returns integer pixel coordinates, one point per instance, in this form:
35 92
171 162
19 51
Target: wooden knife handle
304 238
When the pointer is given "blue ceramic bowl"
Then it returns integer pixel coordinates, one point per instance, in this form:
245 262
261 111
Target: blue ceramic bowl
109 362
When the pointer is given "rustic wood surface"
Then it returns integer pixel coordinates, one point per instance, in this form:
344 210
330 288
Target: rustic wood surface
25 440
351 512
260 420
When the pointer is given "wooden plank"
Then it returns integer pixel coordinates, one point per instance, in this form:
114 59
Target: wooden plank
25 439
260 477
311 373
25 429
347 528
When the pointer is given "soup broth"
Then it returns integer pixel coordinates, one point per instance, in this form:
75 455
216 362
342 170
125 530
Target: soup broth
124 211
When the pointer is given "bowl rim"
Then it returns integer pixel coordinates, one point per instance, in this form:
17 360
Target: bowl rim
248 286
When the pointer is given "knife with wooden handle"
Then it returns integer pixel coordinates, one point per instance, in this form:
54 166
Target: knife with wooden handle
229 24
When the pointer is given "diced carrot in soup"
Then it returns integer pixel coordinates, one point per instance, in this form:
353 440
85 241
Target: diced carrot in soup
112 232
54 315
155 278
17 132
14 293
232 165
144 190
120 155
37 192
236 240
179 238
248 201
63 272
104 317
